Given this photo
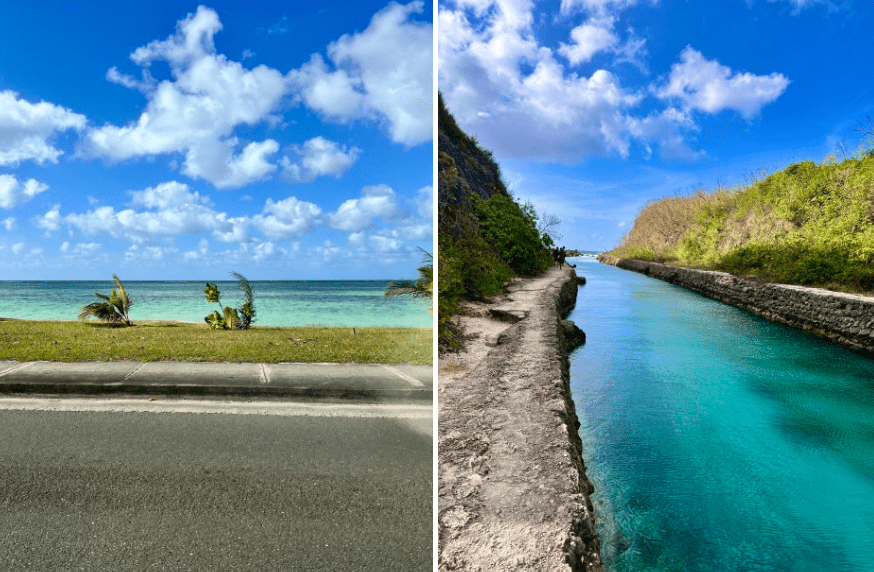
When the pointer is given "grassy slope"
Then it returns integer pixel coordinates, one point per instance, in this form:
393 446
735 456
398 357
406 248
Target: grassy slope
808 224
22 340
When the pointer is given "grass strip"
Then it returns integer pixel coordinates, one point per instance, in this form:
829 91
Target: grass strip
26 340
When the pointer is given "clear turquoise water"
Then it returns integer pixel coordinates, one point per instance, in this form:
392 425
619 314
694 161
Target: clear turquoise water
278 303
717 440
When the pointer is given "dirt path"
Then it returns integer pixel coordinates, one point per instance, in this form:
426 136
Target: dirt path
512 488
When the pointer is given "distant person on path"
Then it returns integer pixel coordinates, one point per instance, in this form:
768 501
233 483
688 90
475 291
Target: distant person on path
559 254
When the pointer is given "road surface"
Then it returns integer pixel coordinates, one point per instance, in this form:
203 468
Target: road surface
139 484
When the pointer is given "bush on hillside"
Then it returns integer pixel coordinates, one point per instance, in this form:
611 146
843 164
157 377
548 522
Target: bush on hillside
469 269
807 224
513 232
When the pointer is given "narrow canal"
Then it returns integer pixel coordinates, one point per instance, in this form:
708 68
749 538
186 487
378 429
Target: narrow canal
717 440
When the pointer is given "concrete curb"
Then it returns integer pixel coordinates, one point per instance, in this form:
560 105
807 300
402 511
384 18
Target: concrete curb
371 382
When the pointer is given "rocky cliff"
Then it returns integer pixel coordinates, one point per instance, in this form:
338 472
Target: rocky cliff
463 167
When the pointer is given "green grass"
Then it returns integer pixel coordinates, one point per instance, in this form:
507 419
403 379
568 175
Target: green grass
24 340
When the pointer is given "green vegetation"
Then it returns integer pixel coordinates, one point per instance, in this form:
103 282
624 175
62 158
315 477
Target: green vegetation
114 308
512 230
421 288
482 242
807 224
22 340
239 318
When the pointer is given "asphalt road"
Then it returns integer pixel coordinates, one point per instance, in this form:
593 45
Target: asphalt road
210 486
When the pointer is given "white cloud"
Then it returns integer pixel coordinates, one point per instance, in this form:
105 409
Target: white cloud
425 202
500 82
197 112
81 250
216 162
14 193
317 157
377 201
327 251
9 223
370 80
169 195
287 218
382 247
26 129
588 39
669 129
707 85
264 250
497 67
137 253
172 210
17 248
51 221
598 6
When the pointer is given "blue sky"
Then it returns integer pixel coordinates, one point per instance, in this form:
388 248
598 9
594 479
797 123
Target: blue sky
171 140
595 107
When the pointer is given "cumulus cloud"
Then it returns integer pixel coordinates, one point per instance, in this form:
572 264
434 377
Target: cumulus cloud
318 157
197 112
167 210
499 82
287 218
51 221
588 39
8 223
26 129
377 201
14 192
368 80
708 86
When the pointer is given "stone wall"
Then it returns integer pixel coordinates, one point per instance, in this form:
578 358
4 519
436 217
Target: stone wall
846 318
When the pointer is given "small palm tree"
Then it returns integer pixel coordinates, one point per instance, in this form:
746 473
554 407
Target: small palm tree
239 318
421 288
114 308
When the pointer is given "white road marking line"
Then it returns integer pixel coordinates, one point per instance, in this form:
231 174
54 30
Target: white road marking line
287 409
412 380
19 367
265 376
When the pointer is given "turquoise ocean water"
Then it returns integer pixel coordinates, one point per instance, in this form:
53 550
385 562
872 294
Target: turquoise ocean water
278 303
717 440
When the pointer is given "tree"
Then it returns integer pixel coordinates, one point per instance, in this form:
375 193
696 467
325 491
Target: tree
421 288
113 308
239 318
547 226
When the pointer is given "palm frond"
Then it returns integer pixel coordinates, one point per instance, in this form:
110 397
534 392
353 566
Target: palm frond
114 308
406 288
421 288
247 309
